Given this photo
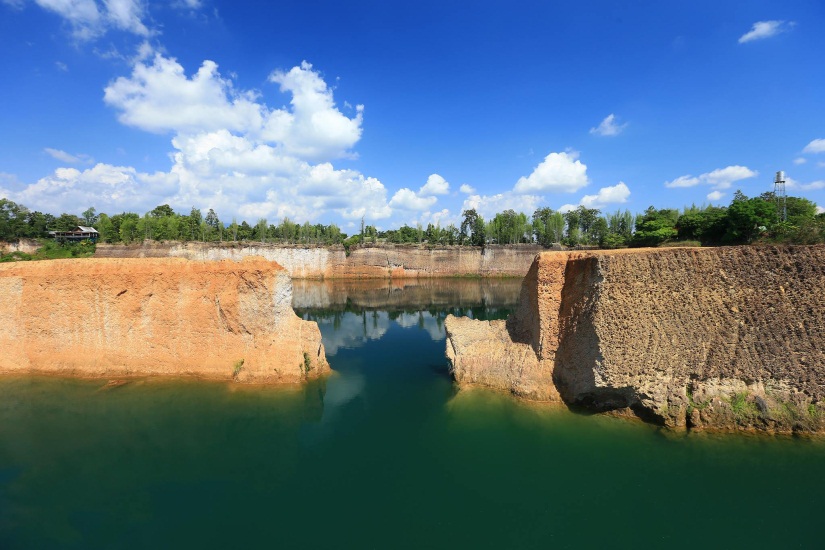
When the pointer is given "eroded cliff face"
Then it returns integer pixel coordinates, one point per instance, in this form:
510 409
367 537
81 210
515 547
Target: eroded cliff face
117 317
724 338
379 262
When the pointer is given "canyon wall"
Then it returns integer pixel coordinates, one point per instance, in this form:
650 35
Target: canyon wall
27 246
120 317
723 338
378 261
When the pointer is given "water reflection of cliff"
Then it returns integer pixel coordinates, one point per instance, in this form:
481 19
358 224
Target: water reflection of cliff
350 313
406 295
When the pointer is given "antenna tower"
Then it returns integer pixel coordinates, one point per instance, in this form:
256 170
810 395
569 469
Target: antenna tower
781 197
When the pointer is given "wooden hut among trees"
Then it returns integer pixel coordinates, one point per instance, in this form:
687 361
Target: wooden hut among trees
78 234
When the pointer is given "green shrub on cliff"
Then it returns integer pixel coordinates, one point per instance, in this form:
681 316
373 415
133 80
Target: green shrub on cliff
52 250
307 365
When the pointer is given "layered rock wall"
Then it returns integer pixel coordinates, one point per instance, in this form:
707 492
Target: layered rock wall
730 338
384 261
27 246
117 317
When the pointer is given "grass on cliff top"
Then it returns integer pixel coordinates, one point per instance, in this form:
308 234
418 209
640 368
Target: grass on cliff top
52 250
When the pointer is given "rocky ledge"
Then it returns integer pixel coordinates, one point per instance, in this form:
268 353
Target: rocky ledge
726 338
120 317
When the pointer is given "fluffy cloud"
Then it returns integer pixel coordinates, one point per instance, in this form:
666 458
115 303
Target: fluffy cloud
159 97
607 195
800 160
820 210
229 152
815 146
467 189
721 178
105 186
436 185
558 172
424 199
714 196
315 128
765 29
608 127
126 15
406 199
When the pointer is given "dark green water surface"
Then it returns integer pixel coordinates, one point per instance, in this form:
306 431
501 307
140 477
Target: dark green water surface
385 453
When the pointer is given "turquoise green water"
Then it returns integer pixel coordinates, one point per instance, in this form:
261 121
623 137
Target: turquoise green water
385 453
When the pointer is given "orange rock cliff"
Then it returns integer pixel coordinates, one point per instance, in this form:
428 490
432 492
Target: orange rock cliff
120 317
723 338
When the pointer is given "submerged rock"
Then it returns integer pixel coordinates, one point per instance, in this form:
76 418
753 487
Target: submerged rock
730 338
115 317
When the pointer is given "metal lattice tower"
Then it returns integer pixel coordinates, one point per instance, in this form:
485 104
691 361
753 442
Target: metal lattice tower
781 197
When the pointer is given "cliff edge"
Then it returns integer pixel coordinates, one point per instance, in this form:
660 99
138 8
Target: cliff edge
723 338
120 317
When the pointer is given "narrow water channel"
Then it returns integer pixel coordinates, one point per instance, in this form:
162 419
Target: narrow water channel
384 453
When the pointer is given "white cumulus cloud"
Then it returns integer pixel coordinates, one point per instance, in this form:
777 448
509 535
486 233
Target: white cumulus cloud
714 196
765 29
159 97
232 160
104 186
436 185
467 189
422 200
608 127
800 160
607 195
815 146
721 178
407 199
820 210
558 172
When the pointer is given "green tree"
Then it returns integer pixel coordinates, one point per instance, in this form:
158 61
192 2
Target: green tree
655 227
89 216
162 211
544 226
128 227
106 229
472 228
193 224
748 218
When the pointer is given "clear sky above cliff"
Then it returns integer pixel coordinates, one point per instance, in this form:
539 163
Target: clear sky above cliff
406 112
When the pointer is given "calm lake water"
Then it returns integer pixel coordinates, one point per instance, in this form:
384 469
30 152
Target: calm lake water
385 453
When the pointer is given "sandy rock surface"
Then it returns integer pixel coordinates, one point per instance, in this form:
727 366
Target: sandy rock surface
114 317
730 338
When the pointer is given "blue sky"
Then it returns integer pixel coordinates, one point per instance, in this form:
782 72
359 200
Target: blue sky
407 112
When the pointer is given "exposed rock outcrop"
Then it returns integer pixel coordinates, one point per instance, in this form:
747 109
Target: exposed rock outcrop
112 317
27 246
375 261
727 338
